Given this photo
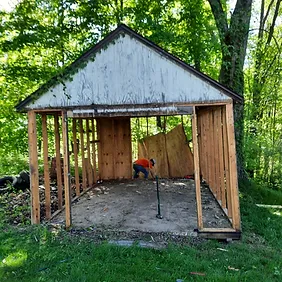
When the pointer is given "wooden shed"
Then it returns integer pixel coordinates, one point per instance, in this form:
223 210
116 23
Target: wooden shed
125 76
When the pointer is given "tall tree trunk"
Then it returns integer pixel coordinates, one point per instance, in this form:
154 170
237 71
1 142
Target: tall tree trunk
233 38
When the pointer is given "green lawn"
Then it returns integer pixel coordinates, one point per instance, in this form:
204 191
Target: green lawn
33 253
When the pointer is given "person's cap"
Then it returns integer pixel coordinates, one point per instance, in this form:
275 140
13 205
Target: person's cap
153 161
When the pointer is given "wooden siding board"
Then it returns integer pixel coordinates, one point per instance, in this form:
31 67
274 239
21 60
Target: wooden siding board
180 158
129 72
123 154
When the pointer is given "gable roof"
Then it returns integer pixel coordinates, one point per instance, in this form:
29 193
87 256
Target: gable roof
96 49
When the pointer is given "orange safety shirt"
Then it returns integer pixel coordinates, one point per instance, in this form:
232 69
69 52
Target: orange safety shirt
143 162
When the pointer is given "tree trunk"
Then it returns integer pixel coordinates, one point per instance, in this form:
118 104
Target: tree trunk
233 38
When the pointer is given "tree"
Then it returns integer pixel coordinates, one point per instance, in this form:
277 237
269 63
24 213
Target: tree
233 38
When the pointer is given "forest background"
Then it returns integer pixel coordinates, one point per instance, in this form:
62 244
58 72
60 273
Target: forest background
235 42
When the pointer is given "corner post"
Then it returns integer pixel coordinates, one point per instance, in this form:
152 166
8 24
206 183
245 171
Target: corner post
66 169
33 168
197 169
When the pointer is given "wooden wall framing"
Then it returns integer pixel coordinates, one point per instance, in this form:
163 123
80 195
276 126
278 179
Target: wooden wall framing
110 138
217 157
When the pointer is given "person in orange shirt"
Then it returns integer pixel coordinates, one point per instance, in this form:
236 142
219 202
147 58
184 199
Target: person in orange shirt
145 166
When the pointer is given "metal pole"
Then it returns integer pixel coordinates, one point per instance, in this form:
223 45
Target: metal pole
158 196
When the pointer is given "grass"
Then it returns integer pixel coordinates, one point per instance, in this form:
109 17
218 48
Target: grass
35 253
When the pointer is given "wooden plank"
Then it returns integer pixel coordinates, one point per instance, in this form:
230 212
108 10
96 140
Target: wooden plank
208 149
66 169
221 159
106 146
84 177
123 151
90 169
180 157
221 186
94 152
216 154
46 167
115 173
99 147
197 170
204 142
236 222
75 153
212 157
33 168
58 161
155 147
226 164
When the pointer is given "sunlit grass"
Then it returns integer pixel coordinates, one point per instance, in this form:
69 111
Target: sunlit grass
15 259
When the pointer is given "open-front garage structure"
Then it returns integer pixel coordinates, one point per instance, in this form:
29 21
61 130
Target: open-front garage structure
90 107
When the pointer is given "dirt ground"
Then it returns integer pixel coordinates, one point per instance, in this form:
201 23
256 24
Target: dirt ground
131 205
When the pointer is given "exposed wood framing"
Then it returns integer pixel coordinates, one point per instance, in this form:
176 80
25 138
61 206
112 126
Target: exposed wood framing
84 177
226 165
218 157
66 169
89 165
33 168
94 152
46 167
58 162
75 153
233 167
197 170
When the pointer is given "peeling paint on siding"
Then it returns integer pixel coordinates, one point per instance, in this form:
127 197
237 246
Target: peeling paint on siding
129 72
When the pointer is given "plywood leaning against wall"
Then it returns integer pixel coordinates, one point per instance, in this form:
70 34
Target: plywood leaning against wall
171 151
155 147
114 156
180 158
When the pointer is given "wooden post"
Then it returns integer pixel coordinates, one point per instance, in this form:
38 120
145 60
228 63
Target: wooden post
76 173
46 167
89 166
94 151
236 224
58 162
226 164
66 169
84 180
221 159
33 168
197 170
114 149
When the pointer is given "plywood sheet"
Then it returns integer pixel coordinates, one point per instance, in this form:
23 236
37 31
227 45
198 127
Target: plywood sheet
155 147
123 155
180 158
106 157
171 151
115 148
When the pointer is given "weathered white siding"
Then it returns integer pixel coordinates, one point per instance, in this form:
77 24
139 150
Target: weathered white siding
129 72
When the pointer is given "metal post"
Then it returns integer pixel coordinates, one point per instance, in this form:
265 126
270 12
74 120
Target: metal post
158 196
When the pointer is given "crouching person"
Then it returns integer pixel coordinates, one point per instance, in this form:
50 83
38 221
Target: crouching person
145 166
